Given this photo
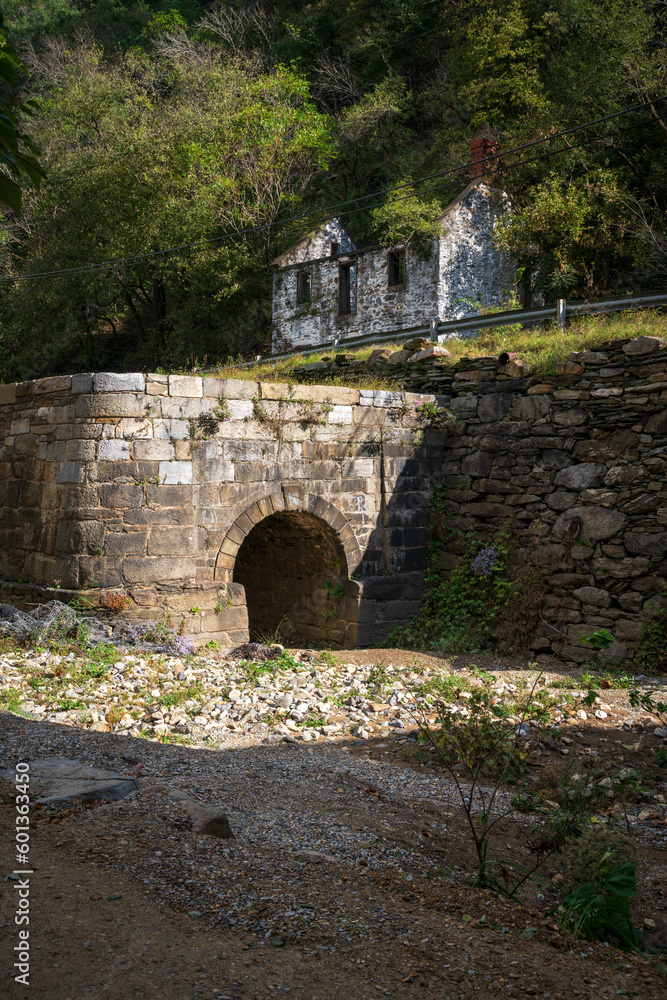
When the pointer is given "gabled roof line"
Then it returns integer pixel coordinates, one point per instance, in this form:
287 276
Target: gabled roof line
477 182
310 236
460 198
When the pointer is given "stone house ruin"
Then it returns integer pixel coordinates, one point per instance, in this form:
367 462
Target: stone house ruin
324 286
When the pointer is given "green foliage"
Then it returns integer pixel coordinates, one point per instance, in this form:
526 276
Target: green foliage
406 218
174 698
661 757
68 704
580 856
145 152
446 686
378 679
164 23
11 699
459 612
18 152
568 233
601 639
432 415
480 741
651 651
286 661
566 797
152 129
644 699
604 914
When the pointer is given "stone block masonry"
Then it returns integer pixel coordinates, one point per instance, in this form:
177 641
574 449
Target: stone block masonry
233 508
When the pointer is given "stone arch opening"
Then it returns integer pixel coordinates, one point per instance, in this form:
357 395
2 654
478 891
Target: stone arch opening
294 570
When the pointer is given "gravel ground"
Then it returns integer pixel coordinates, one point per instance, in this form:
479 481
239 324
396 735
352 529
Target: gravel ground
346 849
330 861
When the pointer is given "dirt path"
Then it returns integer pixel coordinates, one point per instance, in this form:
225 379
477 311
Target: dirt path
329 890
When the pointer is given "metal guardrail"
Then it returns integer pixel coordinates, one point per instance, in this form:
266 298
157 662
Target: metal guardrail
437 331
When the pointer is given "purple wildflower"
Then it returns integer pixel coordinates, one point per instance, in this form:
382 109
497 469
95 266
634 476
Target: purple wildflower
484 562
160 634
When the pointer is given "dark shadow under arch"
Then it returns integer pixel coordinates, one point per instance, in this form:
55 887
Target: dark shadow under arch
294 570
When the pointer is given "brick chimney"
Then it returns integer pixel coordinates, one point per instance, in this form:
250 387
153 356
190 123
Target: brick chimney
480 148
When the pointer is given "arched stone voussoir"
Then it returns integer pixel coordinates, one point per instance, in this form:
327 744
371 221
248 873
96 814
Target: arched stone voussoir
287 499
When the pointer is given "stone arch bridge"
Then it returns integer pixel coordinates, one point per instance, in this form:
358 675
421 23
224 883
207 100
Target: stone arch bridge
238 508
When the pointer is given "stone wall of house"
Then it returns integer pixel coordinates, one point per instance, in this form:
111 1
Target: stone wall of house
578 462
444 279
470 267
318 245
376 307
158 486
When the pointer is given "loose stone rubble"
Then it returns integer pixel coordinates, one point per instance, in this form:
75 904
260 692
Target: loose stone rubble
261 693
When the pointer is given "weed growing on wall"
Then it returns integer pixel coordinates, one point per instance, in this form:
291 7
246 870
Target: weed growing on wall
432 415
487 599
459 612
307 413
116 601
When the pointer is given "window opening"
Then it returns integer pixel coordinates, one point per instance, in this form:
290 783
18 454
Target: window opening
396 268
335 248
303 287
344 290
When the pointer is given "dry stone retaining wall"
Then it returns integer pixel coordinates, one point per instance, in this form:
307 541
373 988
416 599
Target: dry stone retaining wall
578 462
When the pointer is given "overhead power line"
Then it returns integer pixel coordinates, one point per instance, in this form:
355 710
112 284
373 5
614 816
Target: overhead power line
506 167
338 207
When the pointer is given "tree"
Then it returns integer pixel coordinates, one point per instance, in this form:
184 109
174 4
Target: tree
18 153
146 152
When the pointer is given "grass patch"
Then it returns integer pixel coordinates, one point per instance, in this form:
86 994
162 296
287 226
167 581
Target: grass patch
11 699
542 346
175 698
445 687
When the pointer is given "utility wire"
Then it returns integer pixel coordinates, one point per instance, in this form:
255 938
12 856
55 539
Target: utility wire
506 168
327 210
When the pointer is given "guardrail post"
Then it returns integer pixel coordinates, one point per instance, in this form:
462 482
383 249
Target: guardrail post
434 330
561 311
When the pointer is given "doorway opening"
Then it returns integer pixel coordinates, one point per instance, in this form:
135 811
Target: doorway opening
294 569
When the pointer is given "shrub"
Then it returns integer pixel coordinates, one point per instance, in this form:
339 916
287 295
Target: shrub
474 745
566 796
481 741
604 913
581 857
116 601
